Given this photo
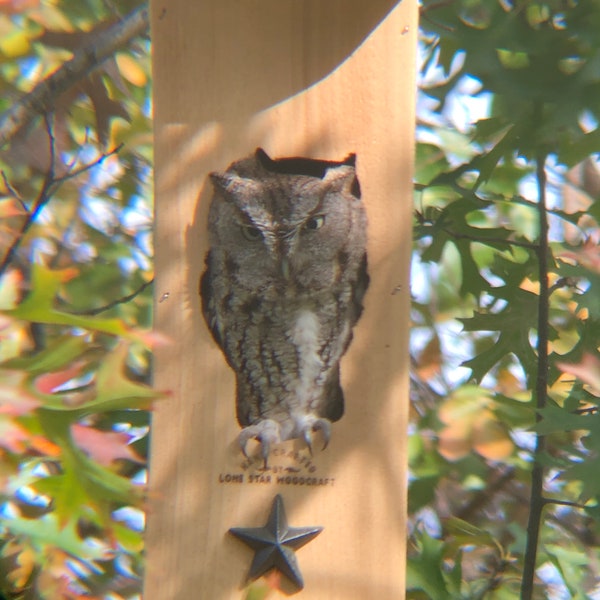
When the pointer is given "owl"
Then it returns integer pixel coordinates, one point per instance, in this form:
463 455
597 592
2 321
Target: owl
286 273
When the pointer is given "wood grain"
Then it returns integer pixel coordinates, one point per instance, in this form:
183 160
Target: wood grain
317 78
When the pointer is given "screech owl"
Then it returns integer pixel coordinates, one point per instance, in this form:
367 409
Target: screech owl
285 278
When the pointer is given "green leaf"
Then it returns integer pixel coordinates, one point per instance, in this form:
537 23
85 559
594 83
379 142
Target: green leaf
555 418
55 356
38 306
114 391
47 531
513 323
466 533
258 591
421 492
83 482
131 540
431 161
424 571
571 564
573 151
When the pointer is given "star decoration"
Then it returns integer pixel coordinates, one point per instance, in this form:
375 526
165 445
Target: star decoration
274 544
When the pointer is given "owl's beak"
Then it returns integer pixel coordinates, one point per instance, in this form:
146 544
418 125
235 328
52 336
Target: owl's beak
285 267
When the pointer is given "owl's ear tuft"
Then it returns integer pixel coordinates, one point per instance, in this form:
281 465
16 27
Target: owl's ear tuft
264 159
342 179
226 183
233 187
350 160
221 181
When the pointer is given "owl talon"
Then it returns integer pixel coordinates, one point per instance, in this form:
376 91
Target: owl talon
265 432
243 441
322 425
307 435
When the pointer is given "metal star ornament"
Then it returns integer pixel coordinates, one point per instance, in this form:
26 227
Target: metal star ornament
274 544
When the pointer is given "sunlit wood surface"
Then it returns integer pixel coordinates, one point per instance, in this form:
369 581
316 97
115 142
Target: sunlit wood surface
317 78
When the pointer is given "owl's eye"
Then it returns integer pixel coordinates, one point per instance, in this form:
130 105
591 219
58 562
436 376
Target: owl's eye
315 222
252 234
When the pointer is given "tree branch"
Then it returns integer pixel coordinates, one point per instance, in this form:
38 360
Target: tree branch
488 240
113 303
42 199
558 502
42 98
537 501
50 185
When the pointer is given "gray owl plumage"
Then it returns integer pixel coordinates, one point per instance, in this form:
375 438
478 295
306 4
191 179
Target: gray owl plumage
285 277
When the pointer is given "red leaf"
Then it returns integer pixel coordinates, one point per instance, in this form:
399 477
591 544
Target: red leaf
104 446
10 207
588 370
429 362
13 437
155 339
49 382
587 256
17 6
14 399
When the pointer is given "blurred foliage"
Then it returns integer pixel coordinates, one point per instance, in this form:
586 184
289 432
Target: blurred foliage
75 300
508 114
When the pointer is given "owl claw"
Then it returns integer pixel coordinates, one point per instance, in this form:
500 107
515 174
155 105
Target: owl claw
307 435
323 425
266 432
